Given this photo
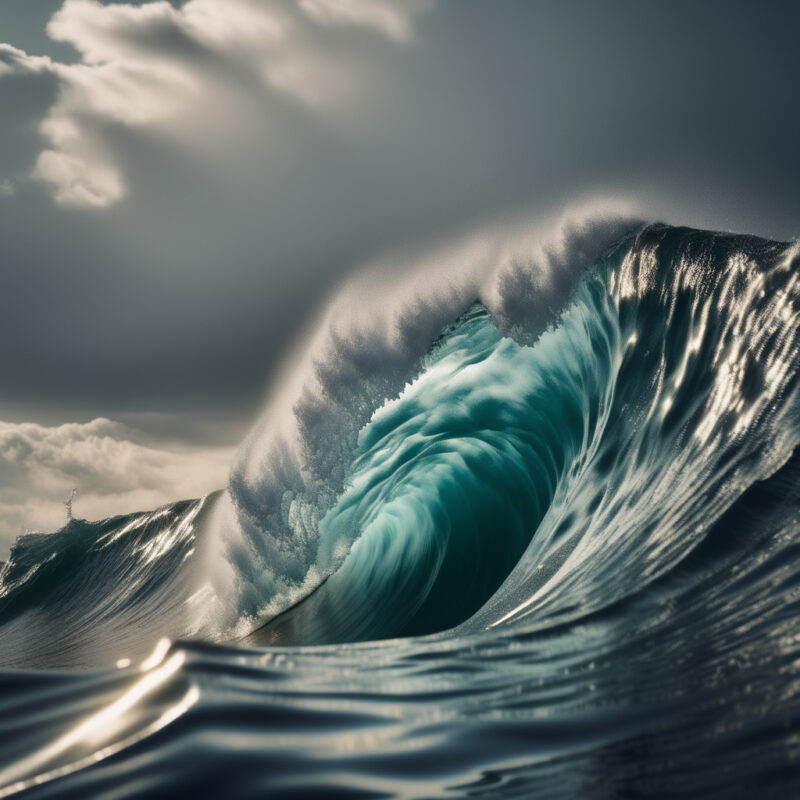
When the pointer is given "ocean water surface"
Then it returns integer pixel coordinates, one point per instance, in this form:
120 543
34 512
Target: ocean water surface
551 550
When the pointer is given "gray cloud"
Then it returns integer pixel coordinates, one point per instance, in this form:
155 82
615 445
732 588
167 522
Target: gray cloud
217 178
28 89
161 68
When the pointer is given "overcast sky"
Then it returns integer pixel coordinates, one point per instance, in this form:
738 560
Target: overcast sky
182 185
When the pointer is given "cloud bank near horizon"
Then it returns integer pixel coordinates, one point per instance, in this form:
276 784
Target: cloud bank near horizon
115 469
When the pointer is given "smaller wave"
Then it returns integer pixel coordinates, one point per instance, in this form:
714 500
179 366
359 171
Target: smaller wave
93 591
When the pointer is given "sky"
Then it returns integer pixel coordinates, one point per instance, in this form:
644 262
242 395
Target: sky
183 185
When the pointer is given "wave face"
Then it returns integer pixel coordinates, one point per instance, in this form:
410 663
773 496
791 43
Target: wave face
559 536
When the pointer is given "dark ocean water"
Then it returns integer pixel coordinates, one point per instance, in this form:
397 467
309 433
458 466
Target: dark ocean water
556 553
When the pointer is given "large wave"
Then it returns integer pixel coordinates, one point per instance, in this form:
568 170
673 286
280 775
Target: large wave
602 405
